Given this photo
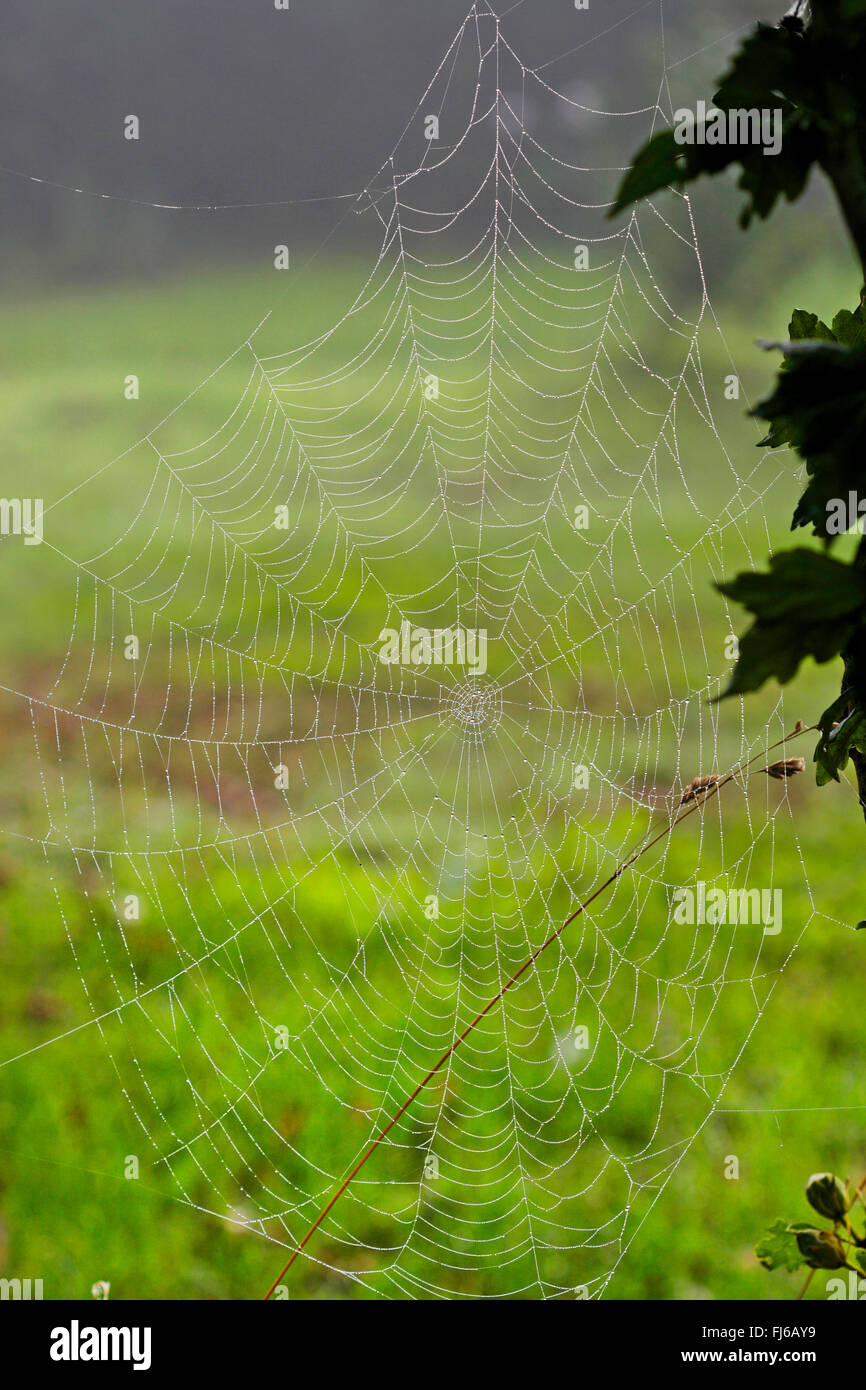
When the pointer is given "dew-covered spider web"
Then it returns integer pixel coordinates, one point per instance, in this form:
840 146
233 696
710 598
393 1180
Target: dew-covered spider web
302 869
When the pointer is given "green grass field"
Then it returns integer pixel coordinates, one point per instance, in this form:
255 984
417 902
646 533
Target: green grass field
78 1097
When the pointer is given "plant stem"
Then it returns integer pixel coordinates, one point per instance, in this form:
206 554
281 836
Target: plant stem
842 162
621 868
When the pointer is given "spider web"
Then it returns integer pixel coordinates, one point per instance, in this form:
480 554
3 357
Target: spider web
258 775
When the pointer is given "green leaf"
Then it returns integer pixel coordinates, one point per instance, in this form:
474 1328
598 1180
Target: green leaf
834 748
773 71
777 1248
808 605
805 584
660 163
846 10
818 408
785 175
850 328
806 325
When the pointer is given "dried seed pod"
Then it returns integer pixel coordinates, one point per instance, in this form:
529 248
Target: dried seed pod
788 767
699 787
821 1249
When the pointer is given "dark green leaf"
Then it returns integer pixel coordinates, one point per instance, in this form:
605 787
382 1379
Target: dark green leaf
806 325
773 71
850 328
808 605
834 748
805 584
846 10
657 165
818 408
766 179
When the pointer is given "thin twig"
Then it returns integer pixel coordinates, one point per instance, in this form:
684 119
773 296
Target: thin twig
621 868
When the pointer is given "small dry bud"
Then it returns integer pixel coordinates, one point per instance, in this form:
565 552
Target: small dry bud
699 787
828 1195
789 767
821 1249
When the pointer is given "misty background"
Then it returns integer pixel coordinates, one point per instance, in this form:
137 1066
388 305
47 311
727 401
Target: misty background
294 112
